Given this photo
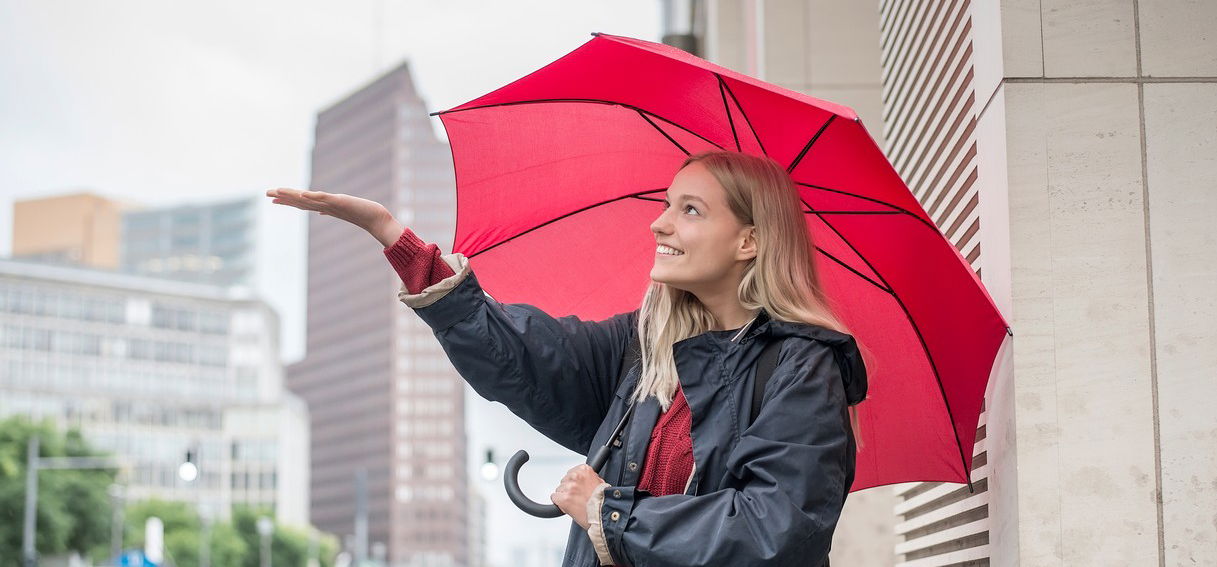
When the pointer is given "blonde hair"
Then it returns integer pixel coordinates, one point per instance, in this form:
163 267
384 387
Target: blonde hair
782 278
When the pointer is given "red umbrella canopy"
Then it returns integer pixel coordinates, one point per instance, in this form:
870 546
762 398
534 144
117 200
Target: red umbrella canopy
560 173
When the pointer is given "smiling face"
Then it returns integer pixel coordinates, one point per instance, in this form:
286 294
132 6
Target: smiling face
711 245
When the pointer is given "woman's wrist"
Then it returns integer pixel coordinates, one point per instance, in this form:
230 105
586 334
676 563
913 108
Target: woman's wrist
387 231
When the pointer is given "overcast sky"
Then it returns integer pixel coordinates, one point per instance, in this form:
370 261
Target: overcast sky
162 102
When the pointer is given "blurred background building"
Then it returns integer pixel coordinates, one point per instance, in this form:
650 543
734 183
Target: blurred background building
212 243
384 399
156 333
1071 143
222 243
151 370
74 229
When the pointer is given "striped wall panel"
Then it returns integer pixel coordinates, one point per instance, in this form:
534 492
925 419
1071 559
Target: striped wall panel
929 121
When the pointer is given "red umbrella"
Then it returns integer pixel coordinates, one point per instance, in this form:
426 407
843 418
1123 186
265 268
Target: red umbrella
560 173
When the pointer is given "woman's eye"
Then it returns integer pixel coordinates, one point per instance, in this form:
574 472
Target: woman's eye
666 204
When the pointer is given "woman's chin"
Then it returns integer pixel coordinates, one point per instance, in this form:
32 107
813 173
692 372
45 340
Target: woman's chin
659 276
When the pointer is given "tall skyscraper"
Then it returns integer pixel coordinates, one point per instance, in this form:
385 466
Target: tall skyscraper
477 527
383 398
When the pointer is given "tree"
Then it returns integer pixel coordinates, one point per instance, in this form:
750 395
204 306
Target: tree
182 533
289 545
73 505
74 512
235 543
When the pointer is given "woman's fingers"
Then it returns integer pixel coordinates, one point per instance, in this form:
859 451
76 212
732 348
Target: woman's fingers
366 214
297 194
307 200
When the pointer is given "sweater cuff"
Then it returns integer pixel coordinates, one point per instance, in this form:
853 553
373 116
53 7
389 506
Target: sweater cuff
416 262
407 246
458 263
595 530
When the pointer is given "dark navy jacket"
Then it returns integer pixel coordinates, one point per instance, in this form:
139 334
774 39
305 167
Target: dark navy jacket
766 494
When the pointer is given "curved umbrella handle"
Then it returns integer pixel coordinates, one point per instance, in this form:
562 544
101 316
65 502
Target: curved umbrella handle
511 481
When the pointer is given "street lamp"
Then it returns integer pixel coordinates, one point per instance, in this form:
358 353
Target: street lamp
265 527
490 469
188 470
35 464
205 537
118 494
313 544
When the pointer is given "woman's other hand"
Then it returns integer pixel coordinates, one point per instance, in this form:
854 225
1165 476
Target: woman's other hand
574 491
368 215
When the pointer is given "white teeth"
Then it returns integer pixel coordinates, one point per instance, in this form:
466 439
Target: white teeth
668 250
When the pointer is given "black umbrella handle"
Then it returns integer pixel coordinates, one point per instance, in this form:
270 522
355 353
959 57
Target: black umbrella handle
511 481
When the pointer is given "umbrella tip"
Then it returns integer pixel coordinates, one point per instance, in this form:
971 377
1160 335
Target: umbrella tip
1009 331
596 34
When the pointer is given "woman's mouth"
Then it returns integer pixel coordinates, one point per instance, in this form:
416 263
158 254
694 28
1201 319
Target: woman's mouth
662 250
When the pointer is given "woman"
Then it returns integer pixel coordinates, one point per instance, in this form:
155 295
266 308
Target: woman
696 479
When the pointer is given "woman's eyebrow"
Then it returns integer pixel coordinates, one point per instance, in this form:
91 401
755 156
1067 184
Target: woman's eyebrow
691 198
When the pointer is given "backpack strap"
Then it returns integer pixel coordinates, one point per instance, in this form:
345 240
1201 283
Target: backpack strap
764 369
633 353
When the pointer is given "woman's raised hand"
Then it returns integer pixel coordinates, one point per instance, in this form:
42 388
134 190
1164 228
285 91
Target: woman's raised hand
368 215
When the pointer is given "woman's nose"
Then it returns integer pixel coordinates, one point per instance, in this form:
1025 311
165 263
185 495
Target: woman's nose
661 225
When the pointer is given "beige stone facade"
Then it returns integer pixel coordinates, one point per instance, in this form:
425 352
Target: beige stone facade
1067 149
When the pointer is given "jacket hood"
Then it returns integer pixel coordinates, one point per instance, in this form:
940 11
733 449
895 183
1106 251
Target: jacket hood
845 350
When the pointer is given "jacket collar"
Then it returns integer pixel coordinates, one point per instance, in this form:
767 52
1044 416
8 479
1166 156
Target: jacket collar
845 349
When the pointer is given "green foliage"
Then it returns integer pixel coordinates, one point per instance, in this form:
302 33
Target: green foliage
182 533
181 529
289 546
73 505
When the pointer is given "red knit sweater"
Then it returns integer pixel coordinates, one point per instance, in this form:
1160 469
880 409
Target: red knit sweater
669 459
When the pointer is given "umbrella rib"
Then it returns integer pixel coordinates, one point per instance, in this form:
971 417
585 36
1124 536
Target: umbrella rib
920 338
824 212
813 139
727 110
898 208
851 268
747 121
665 134
639 196
556 219
579 100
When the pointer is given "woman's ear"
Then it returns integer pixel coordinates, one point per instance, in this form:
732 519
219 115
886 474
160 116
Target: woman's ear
747 250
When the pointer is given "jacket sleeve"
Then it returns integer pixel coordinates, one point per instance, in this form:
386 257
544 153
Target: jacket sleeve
789 476
557 374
